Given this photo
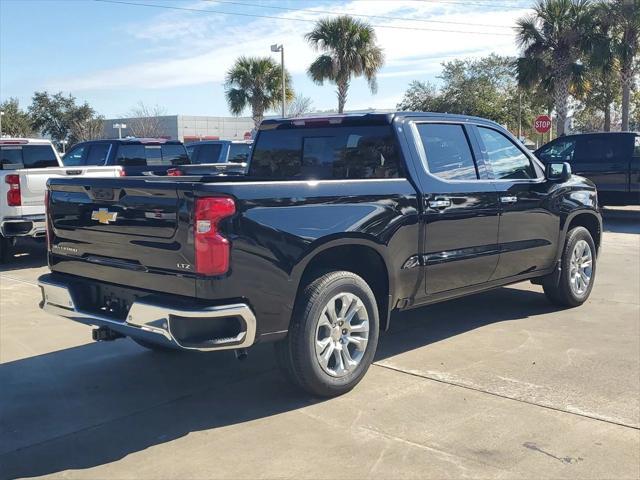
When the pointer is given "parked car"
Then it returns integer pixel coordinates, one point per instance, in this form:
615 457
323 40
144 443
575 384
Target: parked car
129 156
611 160
218 156
340 222
25 166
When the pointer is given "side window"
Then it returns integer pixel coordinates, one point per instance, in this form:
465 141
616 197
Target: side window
596 149
74 157
98 154
191 151
39 156
209 153
560 150
174 155
131 155
447 150
505 160
239 152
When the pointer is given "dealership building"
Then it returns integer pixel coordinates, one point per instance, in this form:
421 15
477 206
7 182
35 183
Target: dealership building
186 128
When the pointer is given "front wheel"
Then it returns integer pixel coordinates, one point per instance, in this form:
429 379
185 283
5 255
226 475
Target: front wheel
333 335
578 270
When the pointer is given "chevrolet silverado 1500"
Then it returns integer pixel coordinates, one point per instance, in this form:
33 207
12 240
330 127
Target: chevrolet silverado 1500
339 222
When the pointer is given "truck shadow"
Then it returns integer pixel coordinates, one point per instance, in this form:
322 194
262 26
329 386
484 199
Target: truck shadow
27 253
95 404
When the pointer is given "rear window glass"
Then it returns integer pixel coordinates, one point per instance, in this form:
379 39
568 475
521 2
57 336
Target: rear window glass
208 153
141 155
28 156
239 152
98 154
326 153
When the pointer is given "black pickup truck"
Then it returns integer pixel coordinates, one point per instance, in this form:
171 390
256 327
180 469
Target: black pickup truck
339 222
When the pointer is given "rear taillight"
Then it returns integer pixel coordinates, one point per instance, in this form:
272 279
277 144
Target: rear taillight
175 172
14 197
212 249
122 173
47 218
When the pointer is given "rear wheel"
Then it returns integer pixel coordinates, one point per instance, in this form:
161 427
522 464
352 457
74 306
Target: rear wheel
333 335
578 270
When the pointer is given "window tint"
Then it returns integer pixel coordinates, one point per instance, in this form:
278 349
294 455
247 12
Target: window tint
326 153
598 148
505 159
239 152
11 157
559 151
174 155
209 153
447 150
190 150
73 157
131 155
98 154
38 156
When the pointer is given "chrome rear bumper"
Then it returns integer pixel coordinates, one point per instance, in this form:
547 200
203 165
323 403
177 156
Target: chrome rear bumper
27 226
156 323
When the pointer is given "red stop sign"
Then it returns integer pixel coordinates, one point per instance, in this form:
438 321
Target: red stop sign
542 124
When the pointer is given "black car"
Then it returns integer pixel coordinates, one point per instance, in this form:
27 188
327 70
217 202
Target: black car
339 222
611 160
134 156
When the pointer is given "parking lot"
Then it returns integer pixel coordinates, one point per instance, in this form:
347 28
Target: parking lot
498 385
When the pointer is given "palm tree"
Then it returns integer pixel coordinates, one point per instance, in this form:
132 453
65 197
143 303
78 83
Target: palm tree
255 82
350 50
554 40
622 18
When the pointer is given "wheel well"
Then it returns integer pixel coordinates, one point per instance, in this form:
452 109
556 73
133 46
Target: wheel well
590 222
361 260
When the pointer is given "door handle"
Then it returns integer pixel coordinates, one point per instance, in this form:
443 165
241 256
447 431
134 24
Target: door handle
440 203
508 199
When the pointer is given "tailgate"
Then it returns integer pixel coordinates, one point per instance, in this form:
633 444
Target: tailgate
128 231
33 181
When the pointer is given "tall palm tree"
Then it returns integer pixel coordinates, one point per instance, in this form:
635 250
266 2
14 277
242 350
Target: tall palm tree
554 39
622 17
349 50
256 83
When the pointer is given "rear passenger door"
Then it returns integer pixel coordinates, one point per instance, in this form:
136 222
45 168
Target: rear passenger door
528 230
460 211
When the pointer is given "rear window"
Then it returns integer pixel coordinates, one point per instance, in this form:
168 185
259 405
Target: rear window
208 153
352 152
27 156
142 155
239 152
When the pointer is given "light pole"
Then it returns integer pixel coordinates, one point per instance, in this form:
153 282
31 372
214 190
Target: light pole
120 127
1 115
280 48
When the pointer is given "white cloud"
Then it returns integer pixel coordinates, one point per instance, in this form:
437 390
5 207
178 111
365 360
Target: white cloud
194 48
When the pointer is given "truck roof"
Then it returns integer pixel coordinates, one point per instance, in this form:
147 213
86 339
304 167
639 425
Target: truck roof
376 118
24 141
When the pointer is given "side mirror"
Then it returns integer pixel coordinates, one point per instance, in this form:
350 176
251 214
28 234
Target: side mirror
558 171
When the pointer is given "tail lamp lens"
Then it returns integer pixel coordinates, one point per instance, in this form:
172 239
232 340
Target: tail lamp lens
14 197
47 194
212 249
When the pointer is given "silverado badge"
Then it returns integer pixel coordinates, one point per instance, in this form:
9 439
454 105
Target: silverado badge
103 215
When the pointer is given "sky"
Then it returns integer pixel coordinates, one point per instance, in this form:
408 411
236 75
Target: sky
175 53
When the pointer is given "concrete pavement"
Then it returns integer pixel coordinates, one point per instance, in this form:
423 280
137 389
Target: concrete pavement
498 385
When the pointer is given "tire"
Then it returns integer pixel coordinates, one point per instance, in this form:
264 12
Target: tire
571 291
154 346
313 354
5 249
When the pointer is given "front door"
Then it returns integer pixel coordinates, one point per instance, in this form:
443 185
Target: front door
461 211
528 232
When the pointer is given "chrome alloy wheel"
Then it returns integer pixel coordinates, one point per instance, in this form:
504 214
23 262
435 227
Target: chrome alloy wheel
342 334
581 268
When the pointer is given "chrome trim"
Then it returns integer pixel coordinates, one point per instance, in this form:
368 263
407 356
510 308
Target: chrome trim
150 318
38 226
508 199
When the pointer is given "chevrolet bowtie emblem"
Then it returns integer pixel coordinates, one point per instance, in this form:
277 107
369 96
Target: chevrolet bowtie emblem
103 215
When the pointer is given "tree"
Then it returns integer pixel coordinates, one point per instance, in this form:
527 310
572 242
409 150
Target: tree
255 83
15 121
350 50
623 19
90 129
554 40
299 106
145 121
57 114
421 97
